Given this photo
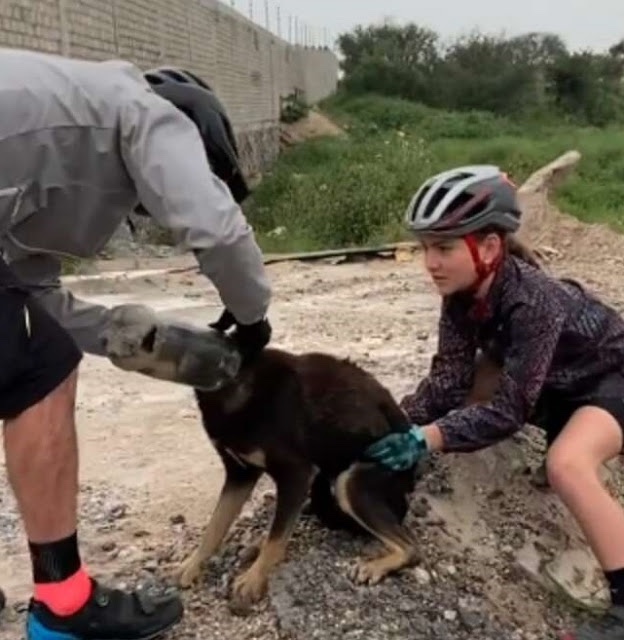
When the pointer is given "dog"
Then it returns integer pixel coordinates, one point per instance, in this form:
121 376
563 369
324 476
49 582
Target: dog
306 420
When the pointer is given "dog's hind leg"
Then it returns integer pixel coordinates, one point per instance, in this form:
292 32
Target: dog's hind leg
239 483
323 505
376 499
293 484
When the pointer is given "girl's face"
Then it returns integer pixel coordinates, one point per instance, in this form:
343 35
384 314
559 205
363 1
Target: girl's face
450 262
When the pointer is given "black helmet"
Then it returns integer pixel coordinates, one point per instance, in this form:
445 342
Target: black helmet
197 100
464 200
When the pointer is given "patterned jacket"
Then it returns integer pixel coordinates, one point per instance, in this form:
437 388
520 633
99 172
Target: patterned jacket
550 334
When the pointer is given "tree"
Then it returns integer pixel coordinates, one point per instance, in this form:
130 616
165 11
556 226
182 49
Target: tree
526 74
390 59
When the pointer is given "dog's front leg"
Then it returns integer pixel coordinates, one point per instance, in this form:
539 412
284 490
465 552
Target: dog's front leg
239 483
293 484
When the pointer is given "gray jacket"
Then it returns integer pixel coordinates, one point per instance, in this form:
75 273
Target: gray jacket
81 144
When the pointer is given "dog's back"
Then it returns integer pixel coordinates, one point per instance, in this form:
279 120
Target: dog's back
314 405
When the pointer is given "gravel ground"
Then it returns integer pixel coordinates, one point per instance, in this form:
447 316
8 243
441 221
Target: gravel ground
150 480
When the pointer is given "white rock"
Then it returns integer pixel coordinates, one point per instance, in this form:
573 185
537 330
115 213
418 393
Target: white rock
422 576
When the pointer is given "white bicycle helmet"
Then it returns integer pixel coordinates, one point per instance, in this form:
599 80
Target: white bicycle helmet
463 200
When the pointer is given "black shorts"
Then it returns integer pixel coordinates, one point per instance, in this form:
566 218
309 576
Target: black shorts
37 354
554 409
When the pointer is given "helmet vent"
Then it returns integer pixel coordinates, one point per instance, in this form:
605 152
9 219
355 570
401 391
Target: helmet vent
480 203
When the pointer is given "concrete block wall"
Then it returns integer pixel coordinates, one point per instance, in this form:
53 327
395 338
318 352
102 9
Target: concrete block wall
250 68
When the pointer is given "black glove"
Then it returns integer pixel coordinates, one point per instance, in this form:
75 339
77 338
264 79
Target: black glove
250 339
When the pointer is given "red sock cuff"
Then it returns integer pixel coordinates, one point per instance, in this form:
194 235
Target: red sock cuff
66 597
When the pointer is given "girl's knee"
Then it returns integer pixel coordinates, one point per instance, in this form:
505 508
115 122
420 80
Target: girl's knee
566 471
590 438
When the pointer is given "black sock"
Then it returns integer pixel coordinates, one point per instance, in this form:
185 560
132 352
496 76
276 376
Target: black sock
616 585
55 561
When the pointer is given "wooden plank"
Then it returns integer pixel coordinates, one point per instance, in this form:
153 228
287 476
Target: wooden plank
344 252
323 253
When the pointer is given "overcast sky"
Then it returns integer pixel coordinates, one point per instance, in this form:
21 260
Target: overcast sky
595 24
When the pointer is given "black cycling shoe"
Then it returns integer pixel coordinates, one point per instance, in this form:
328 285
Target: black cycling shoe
109 614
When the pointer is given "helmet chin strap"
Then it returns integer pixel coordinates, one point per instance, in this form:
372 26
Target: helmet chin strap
483 272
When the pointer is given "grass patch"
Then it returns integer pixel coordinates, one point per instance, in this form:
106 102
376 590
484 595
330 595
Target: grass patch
349 191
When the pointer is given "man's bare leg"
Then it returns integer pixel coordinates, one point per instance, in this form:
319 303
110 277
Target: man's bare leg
42 464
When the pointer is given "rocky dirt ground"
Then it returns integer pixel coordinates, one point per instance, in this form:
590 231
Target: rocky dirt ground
149 479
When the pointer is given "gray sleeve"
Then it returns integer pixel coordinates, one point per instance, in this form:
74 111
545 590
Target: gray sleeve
165 156
82 320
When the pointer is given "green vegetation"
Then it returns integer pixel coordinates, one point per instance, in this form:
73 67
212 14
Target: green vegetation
518 103
353 190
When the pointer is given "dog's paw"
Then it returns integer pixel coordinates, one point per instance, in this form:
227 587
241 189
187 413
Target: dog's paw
370 572
188 572
249 588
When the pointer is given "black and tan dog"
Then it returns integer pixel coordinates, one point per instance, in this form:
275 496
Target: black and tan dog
306 420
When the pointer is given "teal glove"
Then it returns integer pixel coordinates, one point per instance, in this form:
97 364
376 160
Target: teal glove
399 451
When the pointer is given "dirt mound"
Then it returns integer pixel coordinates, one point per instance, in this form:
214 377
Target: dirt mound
313 125
566 238
559 236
